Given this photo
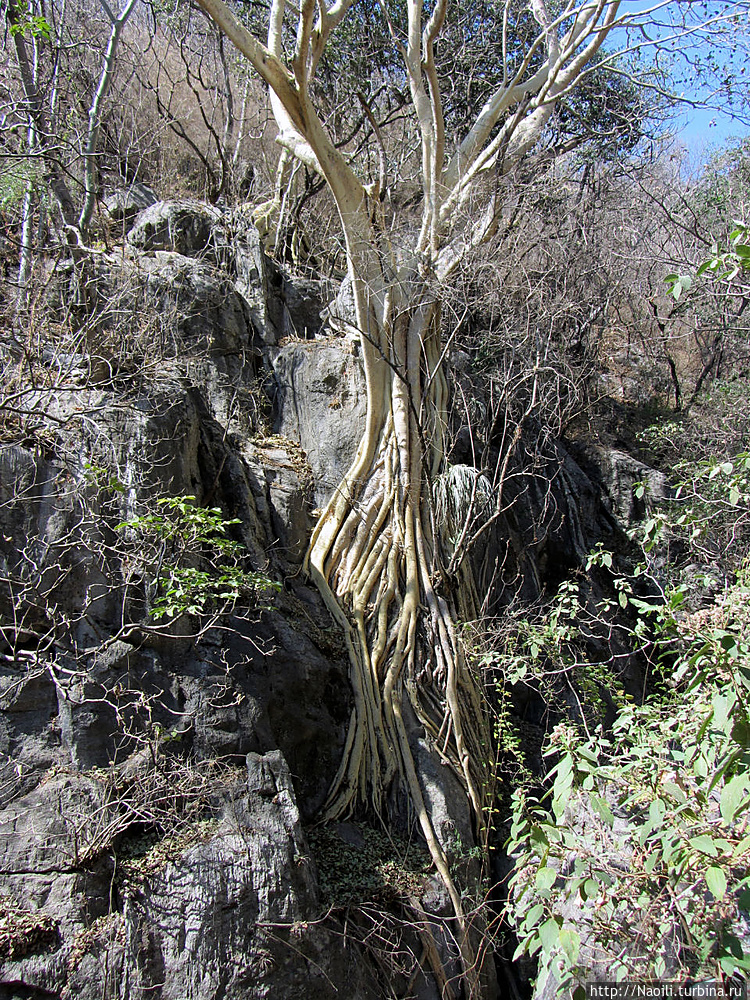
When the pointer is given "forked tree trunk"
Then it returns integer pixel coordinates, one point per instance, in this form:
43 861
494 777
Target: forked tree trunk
375 553
375 557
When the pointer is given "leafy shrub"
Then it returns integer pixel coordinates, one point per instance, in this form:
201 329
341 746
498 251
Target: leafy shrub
636 859
179 530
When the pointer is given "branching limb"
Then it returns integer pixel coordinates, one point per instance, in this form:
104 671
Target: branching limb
92 138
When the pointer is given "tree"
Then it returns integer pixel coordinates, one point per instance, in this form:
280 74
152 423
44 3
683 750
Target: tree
377 552
42 109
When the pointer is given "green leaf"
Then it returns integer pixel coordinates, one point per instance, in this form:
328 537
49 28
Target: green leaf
730 643
732 796
549 933
729 965
674 791
657 811
570 943
716 881
538 838
732 955
601 808
590 888
545 878
521 950
533 916
704 844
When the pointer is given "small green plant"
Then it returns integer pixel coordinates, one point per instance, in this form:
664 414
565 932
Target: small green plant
14 182
707 518
725 265
103 479
24 932
678 284
180 531
26 23
664 857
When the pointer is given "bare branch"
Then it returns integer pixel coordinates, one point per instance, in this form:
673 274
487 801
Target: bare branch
92 138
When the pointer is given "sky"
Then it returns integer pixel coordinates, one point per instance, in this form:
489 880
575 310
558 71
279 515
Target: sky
727 45
703 131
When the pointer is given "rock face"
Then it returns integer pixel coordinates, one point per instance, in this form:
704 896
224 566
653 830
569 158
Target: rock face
247 889
321 404
620 474
155 771
217 909
106 716
125 203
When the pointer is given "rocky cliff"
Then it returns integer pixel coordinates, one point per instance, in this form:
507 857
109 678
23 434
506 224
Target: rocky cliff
160 774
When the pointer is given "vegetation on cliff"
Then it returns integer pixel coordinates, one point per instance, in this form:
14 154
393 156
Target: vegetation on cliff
548 310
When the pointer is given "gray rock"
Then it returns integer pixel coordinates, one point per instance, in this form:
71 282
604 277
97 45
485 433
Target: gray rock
446 803
125 202
321 404
227 909
192 929
301 305
264 684
340 313
196 305
287 493
620 473
185 227
229 916
252 272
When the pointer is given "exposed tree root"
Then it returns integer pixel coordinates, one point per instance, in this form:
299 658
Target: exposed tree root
375 558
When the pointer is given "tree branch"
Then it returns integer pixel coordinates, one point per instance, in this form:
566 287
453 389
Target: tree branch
92 138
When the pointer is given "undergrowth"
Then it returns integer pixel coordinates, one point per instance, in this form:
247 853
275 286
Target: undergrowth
633 860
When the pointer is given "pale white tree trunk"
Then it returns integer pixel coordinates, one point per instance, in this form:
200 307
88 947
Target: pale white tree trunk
91 148
375 552
29 197
42 120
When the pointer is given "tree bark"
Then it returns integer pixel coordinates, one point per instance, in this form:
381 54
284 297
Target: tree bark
375 552
95 110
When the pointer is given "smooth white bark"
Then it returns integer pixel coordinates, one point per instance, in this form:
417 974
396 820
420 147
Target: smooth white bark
118 22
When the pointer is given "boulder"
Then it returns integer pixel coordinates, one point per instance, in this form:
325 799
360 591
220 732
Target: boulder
320 403
196 305
620 474
123 204
190 228
192 928
297 306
